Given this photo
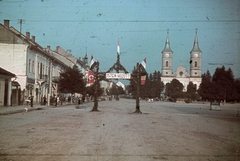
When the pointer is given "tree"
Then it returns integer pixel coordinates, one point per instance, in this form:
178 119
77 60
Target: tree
174 89
191 91
71 81
221 87
205 86
114 90
152 88
224 81
236 90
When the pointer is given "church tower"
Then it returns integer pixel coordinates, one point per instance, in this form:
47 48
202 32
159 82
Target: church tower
167 59
195 59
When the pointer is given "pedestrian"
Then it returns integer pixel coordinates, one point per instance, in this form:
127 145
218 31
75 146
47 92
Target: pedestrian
27 100
58 99
31 100
83 98
55 100
41 101
44 100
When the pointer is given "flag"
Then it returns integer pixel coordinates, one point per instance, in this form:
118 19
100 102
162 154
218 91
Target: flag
90 77
144 63
143 79
118 48
92 61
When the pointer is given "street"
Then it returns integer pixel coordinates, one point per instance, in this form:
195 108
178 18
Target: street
164 131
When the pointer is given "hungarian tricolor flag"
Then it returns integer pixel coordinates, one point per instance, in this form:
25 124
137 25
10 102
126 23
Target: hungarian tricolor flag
143 79
118 48
144 63
92 61
90 77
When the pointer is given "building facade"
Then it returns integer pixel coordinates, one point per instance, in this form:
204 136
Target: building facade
31 64
6 87
181 72
37 69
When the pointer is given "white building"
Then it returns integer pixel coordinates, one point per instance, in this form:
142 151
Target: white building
5 87
31 64
35 67
181 72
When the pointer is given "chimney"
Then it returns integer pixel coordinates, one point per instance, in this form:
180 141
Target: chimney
6 23
28 35
57 48
48 47
33 38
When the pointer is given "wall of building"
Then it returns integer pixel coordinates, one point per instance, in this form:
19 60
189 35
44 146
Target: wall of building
2 89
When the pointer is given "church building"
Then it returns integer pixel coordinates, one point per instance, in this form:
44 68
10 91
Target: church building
181 72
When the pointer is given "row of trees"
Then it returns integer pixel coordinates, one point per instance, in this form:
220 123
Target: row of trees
221 86
151 89
71 81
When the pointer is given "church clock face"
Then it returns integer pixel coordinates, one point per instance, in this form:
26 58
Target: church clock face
167 55
195 55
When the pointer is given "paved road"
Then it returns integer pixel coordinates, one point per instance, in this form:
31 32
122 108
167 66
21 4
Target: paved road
165 131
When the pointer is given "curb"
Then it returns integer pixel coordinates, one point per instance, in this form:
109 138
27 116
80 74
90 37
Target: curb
21 111
31 109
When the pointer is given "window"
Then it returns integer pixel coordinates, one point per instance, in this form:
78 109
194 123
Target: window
38 69
41 70
180 73
166 72
166 63
46 70
195 64
29 65
33 69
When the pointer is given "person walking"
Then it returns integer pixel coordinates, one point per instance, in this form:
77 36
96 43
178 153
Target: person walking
44 100
31 100
55 99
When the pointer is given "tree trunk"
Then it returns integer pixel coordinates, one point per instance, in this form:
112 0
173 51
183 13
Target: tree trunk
138 91
95 106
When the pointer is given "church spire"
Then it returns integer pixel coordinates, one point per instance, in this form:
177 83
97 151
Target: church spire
195 45
167 44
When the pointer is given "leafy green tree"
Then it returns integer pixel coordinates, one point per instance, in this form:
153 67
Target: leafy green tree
152 88
174 89
221 86
71 81
90 90
114 89
191 91
224 80
236 90
205 86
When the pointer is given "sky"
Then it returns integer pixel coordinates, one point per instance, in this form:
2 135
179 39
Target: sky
95 26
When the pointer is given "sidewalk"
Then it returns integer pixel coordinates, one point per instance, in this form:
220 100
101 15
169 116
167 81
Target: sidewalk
19 109
23 108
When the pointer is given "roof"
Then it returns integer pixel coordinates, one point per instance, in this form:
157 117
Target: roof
7 73
167 45
195 45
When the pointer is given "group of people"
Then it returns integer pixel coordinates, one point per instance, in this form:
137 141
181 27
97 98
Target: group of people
57 100
43 100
